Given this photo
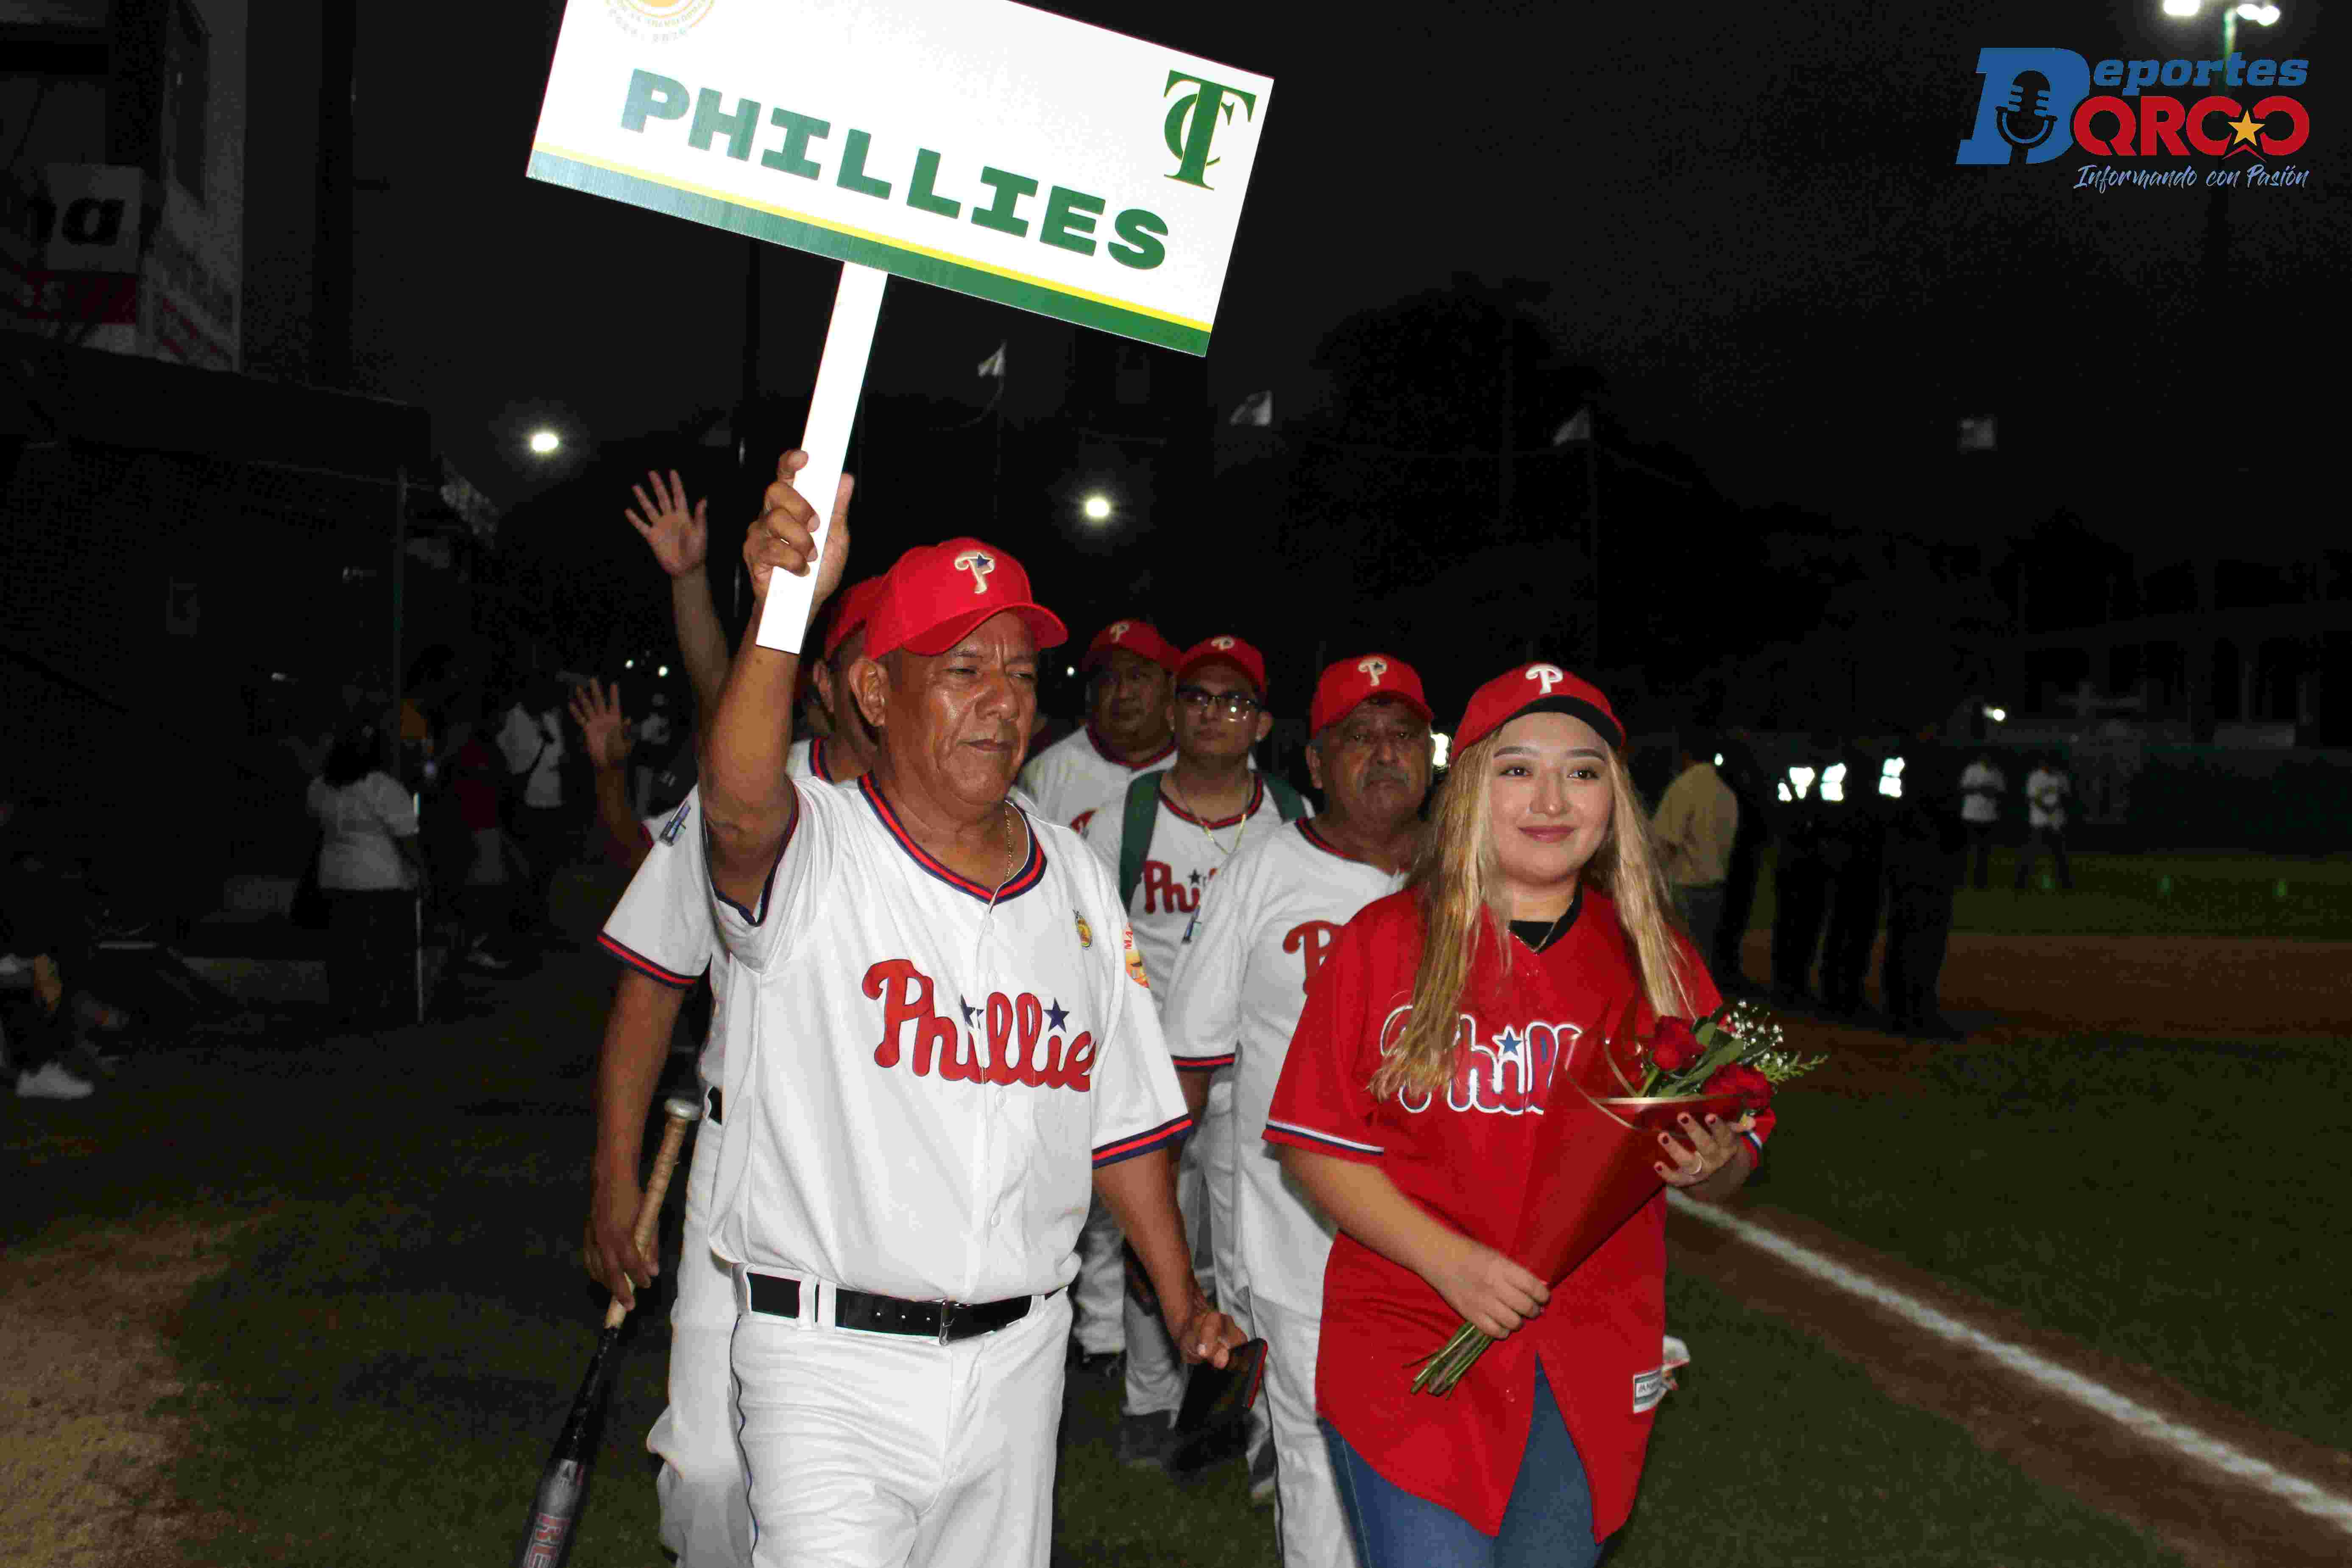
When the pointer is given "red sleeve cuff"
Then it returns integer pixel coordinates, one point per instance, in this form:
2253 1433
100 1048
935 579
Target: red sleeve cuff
1204 1064
644 965
1159 1137
1320 1142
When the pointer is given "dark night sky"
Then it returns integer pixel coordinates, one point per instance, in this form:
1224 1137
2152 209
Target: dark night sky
1749 217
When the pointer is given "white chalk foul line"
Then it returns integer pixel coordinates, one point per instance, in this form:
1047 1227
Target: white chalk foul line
2153 1426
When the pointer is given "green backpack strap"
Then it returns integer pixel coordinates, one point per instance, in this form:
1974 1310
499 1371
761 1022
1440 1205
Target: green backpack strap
1286 799
1135 836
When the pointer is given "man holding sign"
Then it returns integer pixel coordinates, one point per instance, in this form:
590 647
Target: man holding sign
942 1042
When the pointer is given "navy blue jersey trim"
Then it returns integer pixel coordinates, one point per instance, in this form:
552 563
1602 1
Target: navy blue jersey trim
1032 872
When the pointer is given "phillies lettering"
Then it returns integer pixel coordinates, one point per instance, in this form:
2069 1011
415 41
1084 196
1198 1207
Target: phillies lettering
1314 941
1163 894
1509 1074
1024 1037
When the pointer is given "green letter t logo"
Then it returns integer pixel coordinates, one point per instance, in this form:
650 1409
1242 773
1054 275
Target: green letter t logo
1192 121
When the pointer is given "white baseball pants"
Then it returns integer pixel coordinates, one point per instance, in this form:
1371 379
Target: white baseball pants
884 1451
1100 1290
706 1509
1308 1518
1155 1372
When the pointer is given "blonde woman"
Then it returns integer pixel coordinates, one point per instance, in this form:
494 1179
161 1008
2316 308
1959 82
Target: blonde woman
1411 1106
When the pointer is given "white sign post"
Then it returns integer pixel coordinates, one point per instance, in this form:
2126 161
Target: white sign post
975 145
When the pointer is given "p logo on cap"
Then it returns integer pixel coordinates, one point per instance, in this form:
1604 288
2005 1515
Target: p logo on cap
1118 630
1550 675
1222 644
1374 667
980 563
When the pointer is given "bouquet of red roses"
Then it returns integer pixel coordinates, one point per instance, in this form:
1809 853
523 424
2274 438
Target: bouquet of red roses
1598 1169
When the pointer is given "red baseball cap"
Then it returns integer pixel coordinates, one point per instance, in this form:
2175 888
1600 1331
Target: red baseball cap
1534 689
1350 683
936 593
1134 636
1231 649
852 610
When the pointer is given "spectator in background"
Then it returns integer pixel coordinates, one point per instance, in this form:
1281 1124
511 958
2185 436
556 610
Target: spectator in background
1750 788
531 738
1925 847
1982 784
369 867
1800 882
484 899
2046 789
36 1029
1697 819
1857 874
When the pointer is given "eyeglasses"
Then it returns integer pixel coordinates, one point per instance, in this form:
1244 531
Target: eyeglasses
1232 704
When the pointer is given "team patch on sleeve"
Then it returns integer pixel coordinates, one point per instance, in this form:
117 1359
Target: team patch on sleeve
677 823
1134 958
1650 1389
1086 931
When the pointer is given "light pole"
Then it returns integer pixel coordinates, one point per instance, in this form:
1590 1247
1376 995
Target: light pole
2213 280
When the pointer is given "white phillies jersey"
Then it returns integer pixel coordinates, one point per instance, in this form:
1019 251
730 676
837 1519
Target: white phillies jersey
1185 855
662 926
1241 985
814 757
923 1072
1075 774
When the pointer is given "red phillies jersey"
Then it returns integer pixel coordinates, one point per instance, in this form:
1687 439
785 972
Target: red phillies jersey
1464 1154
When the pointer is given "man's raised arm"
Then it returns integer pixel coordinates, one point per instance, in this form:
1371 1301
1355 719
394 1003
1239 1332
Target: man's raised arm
747 799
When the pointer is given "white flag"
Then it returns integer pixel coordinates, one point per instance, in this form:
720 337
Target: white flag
993 364
1579 429
1257 409
1977 435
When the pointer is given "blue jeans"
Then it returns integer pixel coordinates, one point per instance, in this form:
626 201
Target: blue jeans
1547 1524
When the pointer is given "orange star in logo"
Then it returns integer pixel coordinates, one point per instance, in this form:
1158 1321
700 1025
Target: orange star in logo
2245 129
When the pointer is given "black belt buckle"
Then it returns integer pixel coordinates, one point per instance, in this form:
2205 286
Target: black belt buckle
948 1311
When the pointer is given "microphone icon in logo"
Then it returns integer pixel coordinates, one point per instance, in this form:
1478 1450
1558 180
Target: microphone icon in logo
2024 120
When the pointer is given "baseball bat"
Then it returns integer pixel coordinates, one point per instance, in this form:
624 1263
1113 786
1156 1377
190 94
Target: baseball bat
562 1485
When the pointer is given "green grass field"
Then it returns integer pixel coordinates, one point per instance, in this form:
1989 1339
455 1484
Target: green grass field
2219 894
375 1376
2168 1202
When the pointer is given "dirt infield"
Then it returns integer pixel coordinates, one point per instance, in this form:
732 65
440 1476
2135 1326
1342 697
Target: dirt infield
84 1446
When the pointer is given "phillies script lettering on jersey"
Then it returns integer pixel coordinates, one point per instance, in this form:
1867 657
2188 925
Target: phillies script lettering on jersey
1514 1078
1313 941
1164 895
1020 1046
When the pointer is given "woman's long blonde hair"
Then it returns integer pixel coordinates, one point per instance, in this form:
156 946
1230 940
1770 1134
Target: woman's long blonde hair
1459 883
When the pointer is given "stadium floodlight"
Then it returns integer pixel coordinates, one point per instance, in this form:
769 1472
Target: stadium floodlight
1440 748
1890 778
1719 759
545 443
1998 715
1096 508
1833 782
2261 16
1803 779
2182 7
661 674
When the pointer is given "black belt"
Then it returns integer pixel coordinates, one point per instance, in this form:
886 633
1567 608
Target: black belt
943 1321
